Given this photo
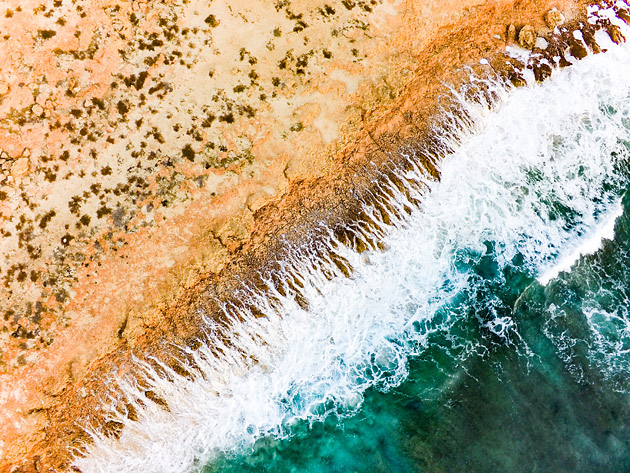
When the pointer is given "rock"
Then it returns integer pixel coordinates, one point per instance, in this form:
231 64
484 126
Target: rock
517 79
591 42
37 110
511 34
20 167
554 18
527 37
541 43
542 71
577 49
4 88
615 34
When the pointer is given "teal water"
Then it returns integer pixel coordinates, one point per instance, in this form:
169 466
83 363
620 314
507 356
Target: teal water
552 396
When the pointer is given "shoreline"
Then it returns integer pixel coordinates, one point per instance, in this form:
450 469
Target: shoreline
321 196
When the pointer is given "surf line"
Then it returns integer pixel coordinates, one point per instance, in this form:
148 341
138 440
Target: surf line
587 246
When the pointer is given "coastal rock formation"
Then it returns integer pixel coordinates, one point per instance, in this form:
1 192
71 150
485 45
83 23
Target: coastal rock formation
527 37
511 34
153 151
554 18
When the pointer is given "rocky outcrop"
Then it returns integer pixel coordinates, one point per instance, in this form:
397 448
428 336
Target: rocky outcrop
527 37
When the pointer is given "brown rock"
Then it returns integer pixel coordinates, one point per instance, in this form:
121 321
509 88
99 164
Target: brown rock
517 79
554 18
542 71
578 49
511 34
527 37
591 42
615 34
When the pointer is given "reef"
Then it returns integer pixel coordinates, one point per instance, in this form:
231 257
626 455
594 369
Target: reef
154 155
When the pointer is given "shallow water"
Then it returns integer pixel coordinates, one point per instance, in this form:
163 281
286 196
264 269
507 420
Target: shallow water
488 332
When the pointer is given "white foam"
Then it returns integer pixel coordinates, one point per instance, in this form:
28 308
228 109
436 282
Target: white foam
547 147
588 246
541 43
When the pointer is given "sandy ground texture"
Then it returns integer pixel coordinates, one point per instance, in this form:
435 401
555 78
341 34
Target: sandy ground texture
151 151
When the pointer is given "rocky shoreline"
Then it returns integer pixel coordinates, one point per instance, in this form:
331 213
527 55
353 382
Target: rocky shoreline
264 193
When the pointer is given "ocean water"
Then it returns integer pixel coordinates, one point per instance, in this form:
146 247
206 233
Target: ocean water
484 328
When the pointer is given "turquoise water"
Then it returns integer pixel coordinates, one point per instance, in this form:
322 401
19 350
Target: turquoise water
552 397
458 343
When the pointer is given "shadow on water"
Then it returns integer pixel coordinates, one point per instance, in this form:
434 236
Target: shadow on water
543 390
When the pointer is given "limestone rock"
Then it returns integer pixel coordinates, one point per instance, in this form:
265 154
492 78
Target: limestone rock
517 79
37 109
554 18
591 42
577 49
527 37
20 167
541 43
511 34
542 71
